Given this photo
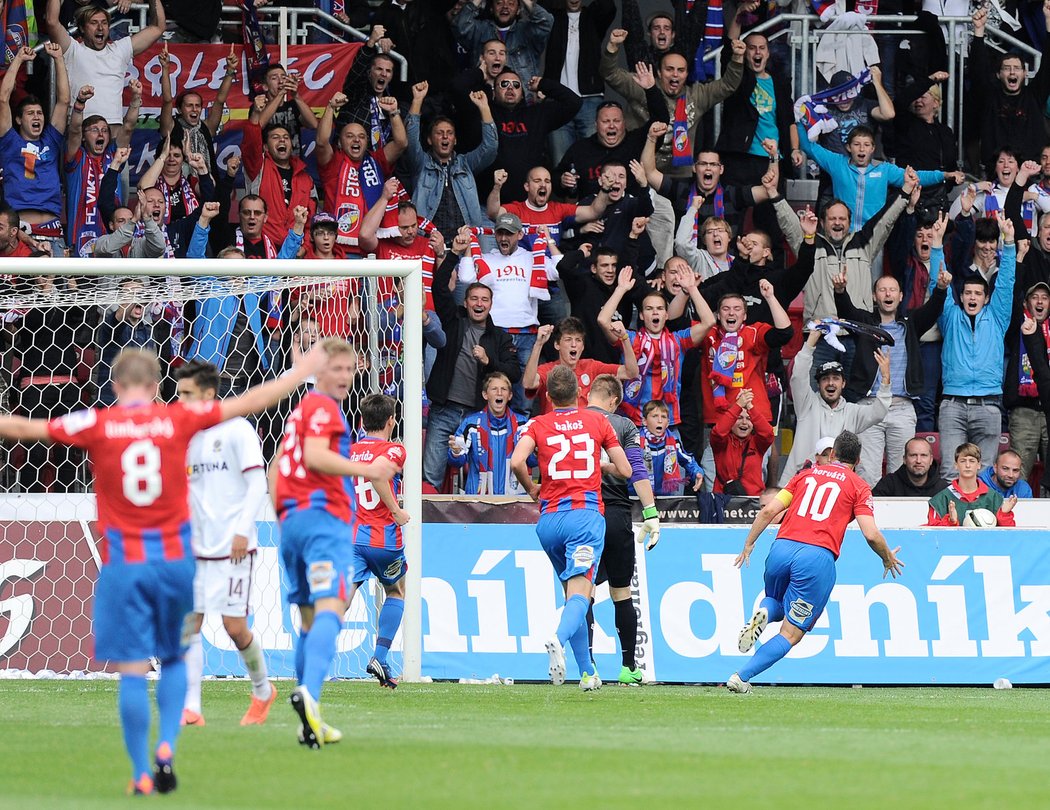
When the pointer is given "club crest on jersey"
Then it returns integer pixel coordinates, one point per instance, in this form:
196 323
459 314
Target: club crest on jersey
217 447
800 611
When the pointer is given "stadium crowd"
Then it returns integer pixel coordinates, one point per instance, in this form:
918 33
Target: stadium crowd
573 203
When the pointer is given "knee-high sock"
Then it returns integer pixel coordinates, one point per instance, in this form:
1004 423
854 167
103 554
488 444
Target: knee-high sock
300 656
774 608
581 650
133 701
171 697
320 650
194 674
766 655
626 629
389 620
252 656
573 615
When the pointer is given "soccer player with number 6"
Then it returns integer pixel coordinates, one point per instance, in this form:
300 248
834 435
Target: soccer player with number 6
569 443
315 511
378 546
800 569
144 593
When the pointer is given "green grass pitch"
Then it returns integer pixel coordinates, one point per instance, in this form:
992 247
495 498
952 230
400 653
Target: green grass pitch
527 746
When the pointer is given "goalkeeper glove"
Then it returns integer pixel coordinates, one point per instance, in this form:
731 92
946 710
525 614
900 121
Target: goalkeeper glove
650 527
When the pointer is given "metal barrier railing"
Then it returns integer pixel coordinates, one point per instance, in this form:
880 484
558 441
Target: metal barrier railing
293 26
805 32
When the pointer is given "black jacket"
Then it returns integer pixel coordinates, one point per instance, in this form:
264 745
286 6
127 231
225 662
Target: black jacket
1014 122
523 132
1036 348
595 20
498 345
916 324
898 485
587 295
740 117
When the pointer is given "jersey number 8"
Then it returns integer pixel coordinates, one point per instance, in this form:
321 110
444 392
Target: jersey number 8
140 465
585 454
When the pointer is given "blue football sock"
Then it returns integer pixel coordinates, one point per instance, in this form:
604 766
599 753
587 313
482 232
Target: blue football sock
134 718
766 655
171 697
320 650
389 620
300 656
581 649
572 616
774 607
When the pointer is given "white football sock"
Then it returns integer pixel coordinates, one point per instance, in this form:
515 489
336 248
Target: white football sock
252 655
194 674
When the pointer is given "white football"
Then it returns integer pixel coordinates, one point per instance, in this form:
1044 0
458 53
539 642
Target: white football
979 519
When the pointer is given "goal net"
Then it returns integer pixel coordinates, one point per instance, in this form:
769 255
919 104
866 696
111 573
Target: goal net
64 323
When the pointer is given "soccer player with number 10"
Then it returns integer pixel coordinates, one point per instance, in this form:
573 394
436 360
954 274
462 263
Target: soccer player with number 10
137 450
800 569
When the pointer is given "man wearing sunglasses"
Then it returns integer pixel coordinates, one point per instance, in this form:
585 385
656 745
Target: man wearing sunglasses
523 128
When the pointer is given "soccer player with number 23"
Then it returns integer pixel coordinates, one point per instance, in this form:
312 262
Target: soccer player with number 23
569 443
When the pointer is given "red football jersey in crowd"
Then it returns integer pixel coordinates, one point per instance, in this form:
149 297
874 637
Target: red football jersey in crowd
317 415
569 444
138 456
825 498
586 370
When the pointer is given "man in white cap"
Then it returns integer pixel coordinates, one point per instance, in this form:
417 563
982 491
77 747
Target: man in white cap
822 452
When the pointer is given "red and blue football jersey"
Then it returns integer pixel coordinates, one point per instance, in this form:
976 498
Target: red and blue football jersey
138 455
316 416
824 499
569 444
373 524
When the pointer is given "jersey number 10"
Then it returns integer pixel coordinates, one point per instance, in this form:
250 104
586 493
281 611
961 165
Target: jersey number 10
818 501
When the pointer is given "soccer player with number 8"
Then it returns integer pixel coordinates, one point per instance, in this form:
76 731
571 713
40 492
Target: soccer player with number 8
800 569
144 593
569 443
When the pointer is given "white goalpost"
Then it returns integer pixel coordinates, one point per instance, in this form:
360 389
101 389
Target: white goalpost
43 516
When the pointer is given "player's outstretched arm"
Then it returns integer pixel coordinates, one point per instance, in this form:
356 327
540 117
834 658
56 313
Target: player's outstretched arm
621 466
519 464
890 563
20 429
261 397
319 457
765 516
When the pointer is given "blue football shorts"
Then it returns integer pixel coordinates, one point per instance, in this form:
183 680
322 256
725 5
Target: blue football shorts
573 540
316 554
388 564
800 576
140 610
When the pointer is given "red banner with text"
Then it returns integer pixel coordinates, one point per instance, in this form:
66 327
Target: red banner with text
202 67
